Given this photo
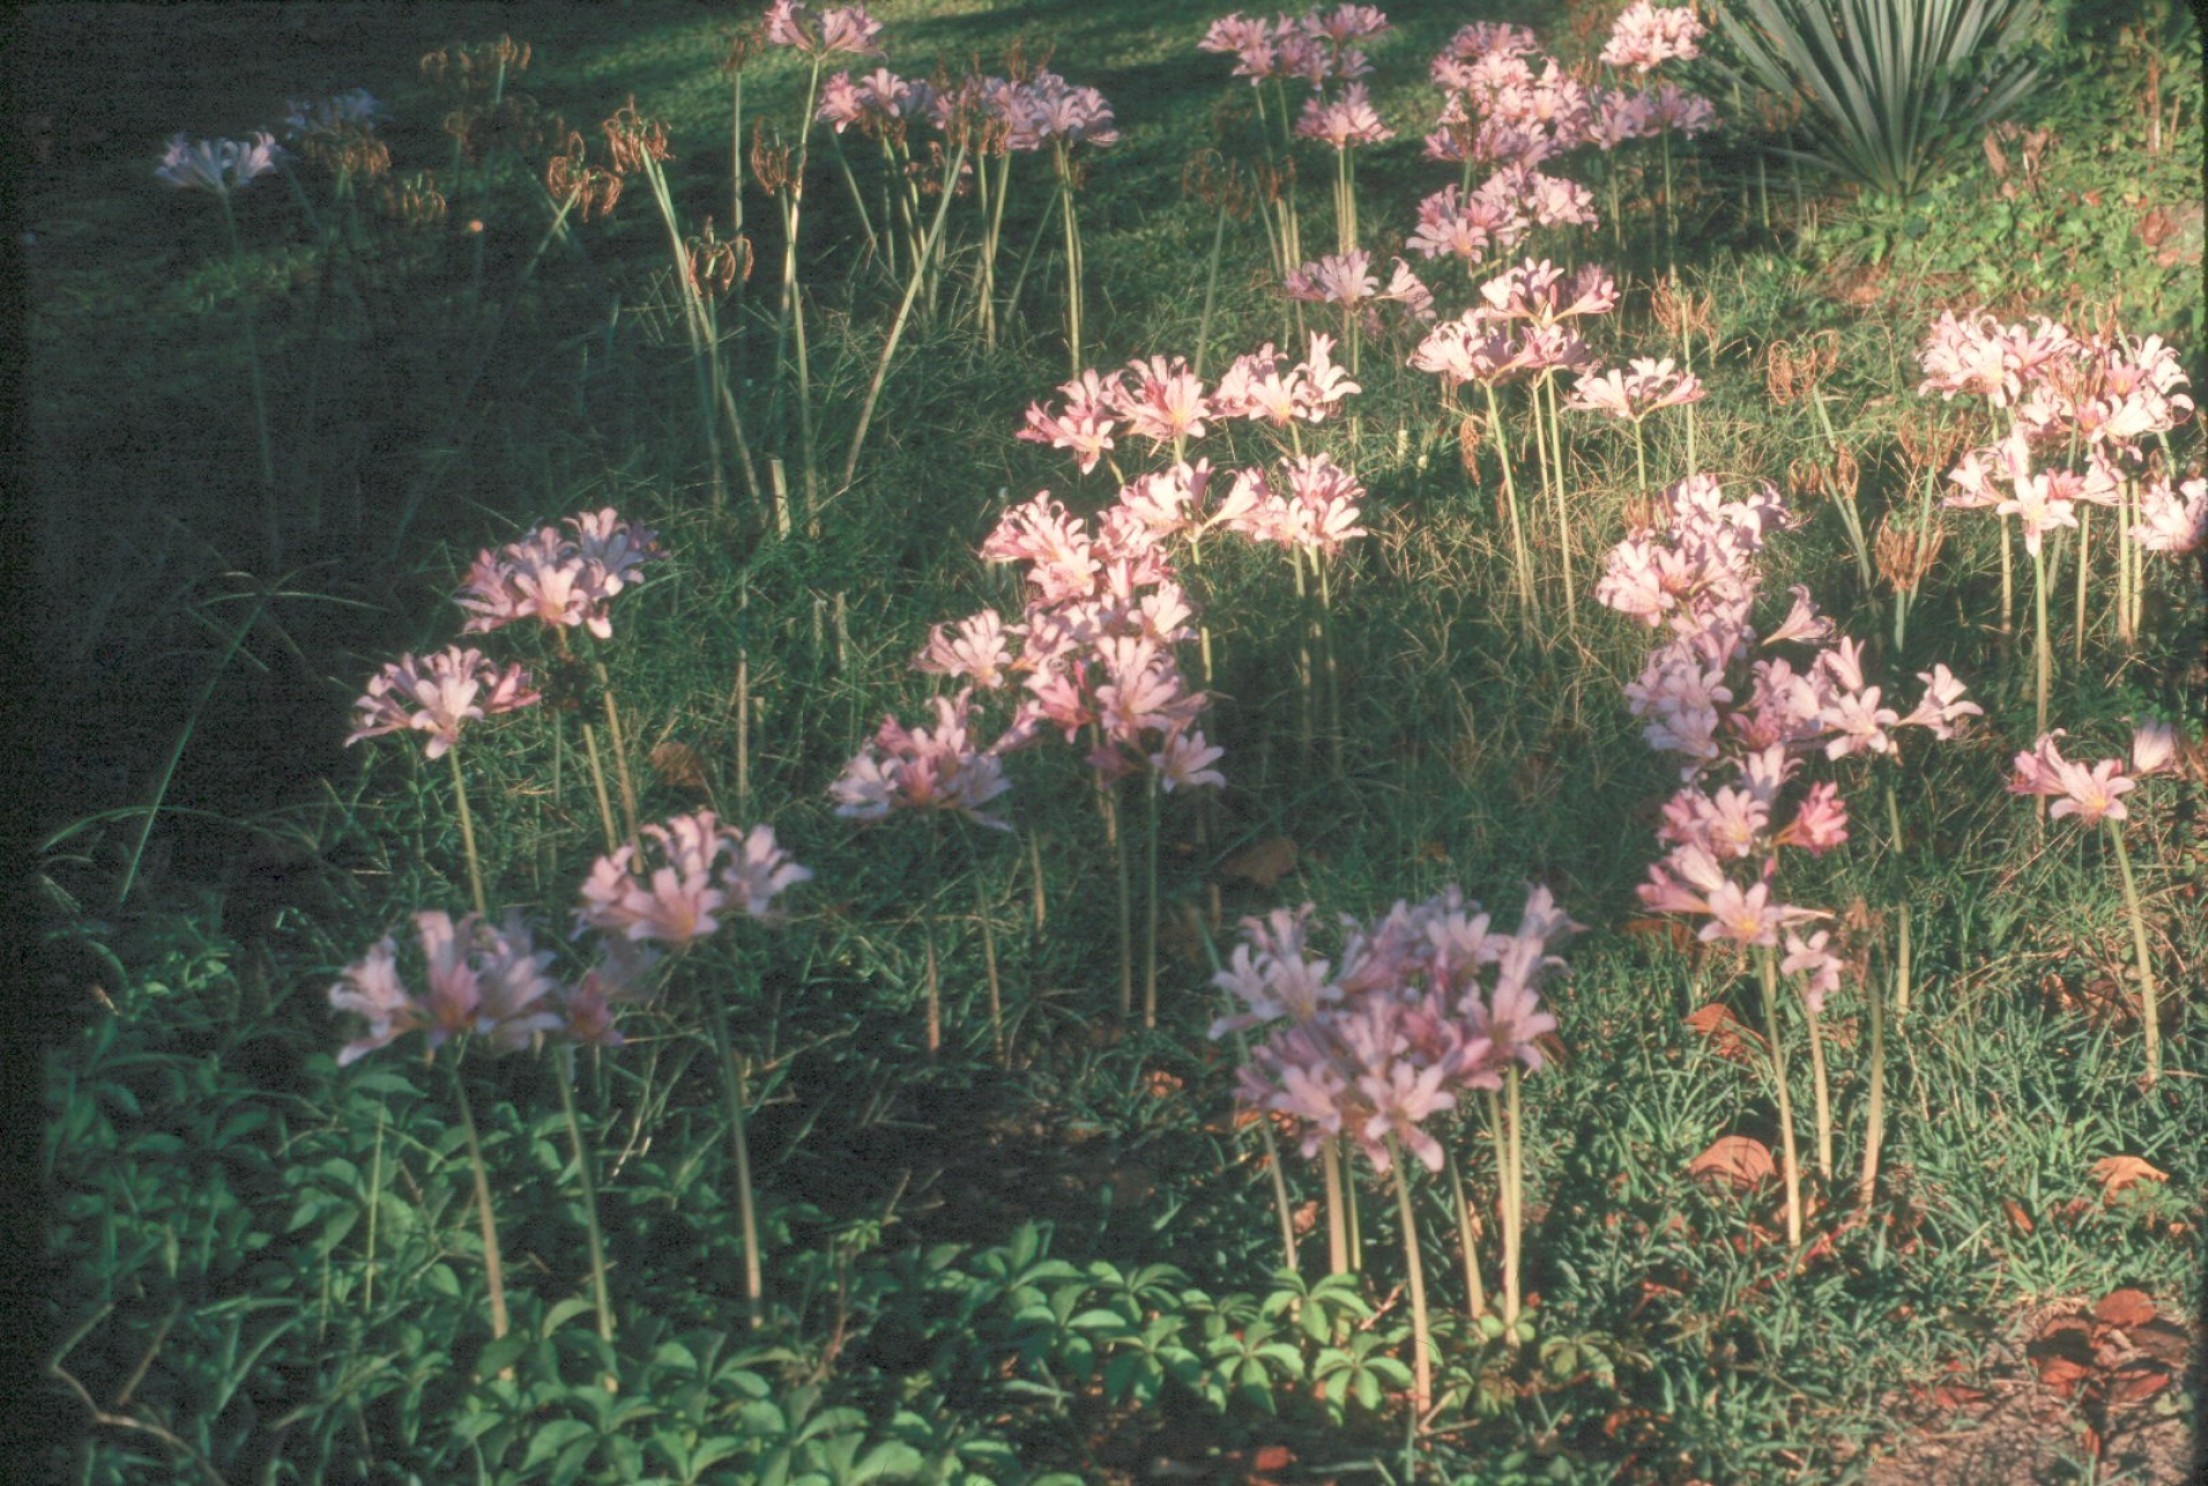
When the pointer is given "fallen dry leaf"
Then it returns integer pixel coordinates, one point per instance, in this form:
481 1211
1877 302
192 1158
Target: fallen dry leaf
2115 1173
1737 1160
2124 1309
1263 864
678 766
1729 1036
2019 1219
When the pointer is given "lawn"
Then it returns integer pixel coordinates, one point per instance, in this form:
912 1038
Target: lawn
1420 748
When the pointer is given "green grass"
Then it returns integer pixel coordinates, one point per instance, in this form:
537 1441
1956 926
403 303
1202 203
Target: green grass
264 1267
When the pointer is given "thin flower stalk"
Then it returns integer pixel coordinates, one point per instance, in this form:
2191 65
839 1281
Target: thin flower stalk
494 1263
929 249
1874 1125
467 833
1475 1288
2150 1012
1422 1374
587 1174
1789 1159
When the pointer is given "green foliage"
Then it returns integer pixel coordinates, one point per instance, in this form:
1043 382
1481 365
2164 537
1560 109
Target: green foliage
1891 88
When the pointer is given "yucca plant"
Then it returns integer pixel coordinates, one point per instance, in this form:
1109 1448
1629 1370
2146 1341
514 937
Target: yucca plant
1889 87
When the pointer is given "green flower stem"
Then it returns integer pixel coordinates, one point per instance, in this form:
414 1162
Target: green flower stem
271 518
897 326
1824 1093
2042 651
1422 1375
1514 1109
2149 1012
1874 1132
1150 904
1475 1290
619 745
467 833
2008 580
586 1170
734 1096
1791 1165
598 787
1108 798
1547 385
1337 1211
494 1266
1072 223
1521 555
2085 551
1504 1197
1211 288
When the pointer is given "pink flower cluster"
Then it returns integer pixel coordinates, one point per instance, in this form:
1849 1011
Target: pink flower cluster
484 981
2093 793
438 696
1346 279
218 165
939 769
673 897
1103 615
820 32
1699 577
563 580
878 102
1375 1050
2101 395
1520 326
1498 109
1632 395
1163 401
1644 37
1344 121
1018 116
1318 48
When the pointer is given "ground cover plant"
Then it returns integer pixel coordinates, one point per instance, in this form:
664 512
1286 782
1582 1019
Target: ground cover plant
925 741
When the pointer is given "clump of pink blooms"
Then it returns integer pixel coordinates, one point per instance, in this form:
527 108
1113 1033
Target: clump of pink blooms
562 579
1162 401
2101 395
937 768
1346 280
1645 37
1633 394
1429 1002
218 165
1520 327
1318 48
483 981
1342 122
2093 792
438 696
1744 738
696 869
821 31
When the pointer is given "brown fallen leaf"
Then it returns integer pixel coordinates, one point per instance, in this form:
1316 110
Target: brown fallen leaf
1263 864
2123 1310
1681 938
1729 1036
2019 1219
2115 1173
678 766
1736 1160
2137 1381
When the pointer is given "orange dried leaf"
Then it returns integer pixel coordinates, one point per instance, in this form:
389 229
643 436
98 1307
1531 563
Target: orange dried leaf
678 766
2115 1173
2019 1219
1263 864
2137 1381
2125 1309
1736 1160
1680 936
1729 1036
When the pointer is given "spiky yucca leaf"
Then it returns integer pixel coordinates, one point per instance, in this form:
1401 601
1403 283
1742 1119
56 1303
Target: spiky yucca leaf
1889 87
